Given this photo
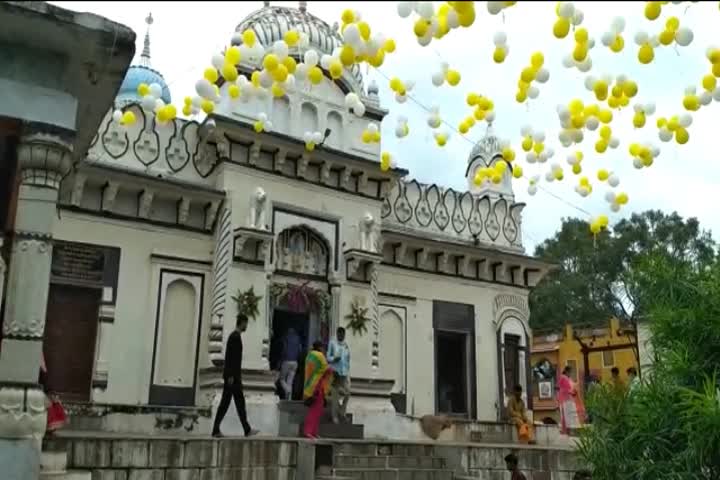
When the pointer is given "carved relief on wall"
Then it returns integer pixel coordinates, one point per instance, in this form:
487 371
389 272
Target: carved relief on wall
299 250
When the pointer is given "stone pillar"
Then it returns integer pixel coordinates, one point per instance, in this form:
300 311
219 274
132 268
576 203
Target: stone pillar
3 269
374 313
43 160
335 308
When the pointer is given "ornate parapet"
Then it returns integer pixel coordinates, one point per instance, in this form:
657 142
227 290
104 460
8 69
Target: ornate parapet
460 216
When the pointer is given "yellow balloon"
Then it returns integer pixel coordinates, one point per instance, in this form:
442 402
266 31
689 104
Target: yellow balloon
463 127
603 221
528 75
521 96
576 169
613 102
187 110
421 27
472 99
691 102
467 17
577 121
366 136
527 143
277 90
143 89
646 54
232 55
364 29
561 27
617 44
441 139
499 55
673 23
479 114
348 16
271 62
630 88
666 37
229 72
639 120
580 52
716 69
128 118
674 123
601 146
595 228
211 75
315 75
255 79
508 154
234 91
575 106
207 106
581 35
258 126
290 64
652 10
485 103
634 149
280 74
452 77
661 122
621 198
605 132
496 178
309 146
605 116
389 45
538 148
292 37
709 82
336 69
187 101
537 59
600 88
517 171
347 55
681 136
603 175
249 37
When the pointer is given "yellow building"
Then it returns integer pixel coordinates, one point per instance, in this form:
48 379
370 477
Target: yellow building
605 348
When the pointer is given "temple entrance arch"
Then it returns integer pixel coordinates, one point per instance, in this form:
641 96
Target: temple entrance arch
299 294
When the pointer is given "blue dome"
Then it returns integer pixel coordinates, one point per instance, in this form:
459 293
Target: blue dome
136 75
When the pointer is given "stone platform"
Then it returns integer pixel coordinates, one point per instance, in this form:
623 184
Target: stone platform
124 457
292 416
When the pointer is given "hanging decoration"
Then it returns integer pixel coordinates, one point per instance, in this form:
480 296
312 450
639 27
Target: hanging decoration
301 299
358 318
247 303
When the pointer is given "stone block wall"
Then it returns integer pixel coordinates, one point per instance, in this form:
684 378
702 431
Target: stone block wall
183 459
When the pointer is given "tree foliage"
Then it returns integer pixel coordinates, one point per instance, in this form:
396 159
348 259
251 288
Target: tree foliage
668 427
591 283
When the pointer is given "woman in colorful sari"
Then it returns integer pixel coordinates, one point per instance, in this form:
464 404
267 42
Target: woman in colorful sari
318 376
571 409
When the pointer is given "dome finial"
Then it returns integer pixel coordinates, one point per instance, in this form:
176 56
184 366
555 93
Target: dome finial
303 7
266 4
145 56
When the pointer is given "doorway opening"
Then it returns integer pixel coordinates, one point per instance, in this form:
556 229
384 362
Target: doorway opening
282 321
451 353
512 362
70 339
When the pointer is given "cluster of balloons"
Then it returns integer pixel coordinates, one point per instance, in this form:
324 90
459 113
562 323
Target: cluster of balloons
533 184
574 160
576 116
610 177
616 200
606 140
263 123
484 109
360 44
124 118
494 8
434 120
401 89
501 47
446 74
402 129
598 224
371 134
555 173
674 33
642 111
567 14
534 144
431 24
387 162
354 104
613 38
533 72
312 139
441 137
676 126
583 188
643 155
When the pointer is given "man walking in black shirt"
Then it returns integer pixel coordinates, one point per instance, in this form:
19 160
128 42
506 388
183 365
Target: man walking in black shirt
232 380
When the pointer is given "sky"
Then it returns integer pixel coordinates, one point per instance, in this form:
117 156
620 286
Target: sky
684 178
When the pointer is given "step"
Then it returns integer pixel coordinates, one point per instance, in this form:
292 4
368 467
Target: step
393 462
53 461
295 411
69 475
350 431
393 474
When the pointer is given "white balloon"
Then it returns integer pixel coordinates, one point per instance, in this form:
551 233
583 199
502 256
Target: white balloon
266 79
684 36
409 85
613 180
218 60
591 43
578 17
586 65
117 115
526 131
500 39
638 108
438 78
317 137
531 157
567 9
281 49
622 78
197 101
494 7
301 71
637 163
268 126
690 90
592 123
311 58
641 37
148 103
538 137
400 131
453 19
654 41
568 61
543 75
614 142
685 120
665 134
607 38
649 108
425 41
543 157
532 189
290 83
351 34
618 25
404 9
490 116
615 207
590 82
204 88
359 109
549 152
307 137
655 151
155 90
351 99
400 98
426 10
705 98
325 61
572 159
550 177
533 92
565 138
577 135
716 94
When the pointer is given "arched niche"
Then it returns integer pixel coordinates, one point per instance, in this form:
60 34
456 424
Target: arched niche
281 114
513 342
302 250
308 117
335 124
392 349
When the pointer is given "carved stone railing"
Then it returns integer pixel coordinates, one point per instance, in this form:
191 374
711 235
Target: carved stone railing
430 209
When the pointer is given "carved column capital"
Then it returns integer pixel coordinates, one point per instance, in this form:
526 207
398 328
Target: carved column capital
23 412
44 159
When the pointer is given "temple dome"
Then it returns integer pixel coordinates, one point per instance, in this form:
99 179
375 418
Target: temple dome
271 23
136 75
142 73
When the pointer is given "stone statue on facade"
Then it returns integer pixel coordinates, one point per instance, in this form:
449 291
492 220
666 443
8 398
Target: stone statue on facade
258 203
367 233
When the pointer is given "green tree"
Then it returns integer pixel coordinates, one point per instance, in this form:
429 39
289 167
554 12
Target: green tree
591 283
668 427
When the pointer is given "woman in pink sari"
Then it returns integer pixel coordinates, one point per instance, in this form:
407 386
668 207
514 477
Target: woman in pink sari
571 409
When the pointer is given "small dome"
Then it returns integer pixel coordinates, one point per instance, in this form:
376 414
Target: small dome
271 24
136 75
487 148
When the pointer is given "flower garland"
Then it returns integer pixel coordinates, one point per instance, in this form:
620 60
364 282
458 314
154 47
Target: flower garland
248 303
358 318
302 298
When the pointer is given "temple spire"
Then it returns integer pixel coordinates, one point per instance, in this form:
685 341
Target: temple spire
303 6
145 56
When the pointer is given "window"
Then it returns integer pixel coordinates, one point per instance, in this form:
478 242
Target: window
608 358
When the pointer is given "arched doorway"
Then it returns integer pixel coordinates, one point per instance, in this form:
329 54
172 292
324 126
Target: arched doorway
299 298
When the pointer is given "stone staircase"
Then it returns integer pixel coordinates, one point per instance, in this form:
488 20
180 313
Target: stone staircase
292 416
53 462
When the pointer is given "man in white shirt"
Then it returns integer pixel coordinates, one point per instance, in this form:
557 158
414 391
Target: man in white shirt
338 356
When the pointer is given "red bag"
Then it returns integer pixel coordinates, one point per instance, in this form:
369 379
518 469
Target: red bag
56 416
524 433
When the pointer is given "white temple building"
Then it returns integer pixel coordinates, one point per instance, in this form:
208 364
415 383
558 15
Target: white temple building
161 226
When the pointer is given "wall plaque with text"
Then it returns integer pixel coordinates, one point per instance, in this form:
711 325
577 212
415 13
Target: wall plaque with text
78 263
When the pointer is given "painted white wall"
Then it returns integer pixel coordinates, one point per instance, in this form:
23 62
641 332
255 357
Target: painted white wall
131 336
